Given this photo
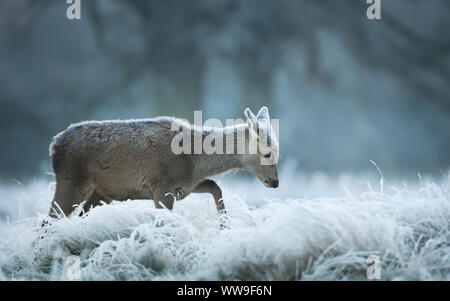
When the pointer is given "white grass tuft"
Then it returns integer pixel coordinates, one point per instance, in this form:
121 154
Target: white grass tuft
283 234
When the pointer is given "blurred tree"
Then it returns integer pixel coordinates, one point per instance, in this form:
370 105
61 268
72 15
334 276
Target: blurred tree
171 43
178 36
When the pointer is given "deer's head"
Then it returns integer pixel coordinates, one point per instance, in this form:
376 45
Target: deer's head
262 161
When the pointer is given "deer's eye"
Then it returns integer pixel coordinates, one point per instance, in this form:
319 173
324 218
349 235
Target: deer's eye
267 156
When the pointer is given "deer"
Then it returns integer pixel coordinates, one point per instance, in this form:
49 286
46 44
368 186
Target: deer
97 162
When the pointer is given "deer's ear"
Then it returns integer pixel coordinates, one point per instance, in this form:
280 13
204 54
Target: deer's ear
263 114
252 128
251 117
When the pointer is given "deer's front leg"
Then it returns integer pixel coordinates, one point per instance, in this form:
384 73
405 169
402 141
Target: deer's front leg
209 186
163 199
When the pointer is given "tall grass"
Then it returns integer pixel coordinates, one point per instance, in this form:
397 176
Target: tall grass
294 233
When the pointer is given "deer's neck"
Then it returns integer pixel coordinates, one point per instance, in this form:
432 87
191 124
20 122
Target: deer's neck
212 164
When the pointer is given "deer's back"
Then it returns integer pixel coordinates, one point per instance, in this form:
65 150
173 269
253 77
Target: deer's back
120 157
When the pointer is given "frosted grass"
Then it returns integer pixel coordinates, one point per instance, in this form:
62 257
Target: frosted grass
291 233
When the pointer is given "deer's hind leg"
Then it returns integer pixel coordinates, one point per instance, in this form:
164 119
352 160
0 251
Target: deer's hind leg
209 186
69 193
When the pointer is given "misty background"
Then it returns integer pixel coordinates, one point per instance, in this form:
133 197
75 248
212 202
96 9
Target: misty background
345 89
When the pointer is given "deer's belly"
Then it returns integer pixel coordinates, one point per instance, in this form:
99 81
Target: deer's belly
123 186
125 194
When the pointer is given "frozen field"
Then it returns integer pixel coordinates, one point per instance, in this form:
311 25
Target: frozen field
312 228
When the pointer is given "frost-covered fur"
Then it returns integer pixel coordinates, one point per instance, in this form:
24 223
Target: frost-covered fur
132 159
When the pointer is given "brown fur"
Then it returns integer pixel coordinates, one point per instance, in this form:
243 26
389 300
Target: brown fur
121 160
